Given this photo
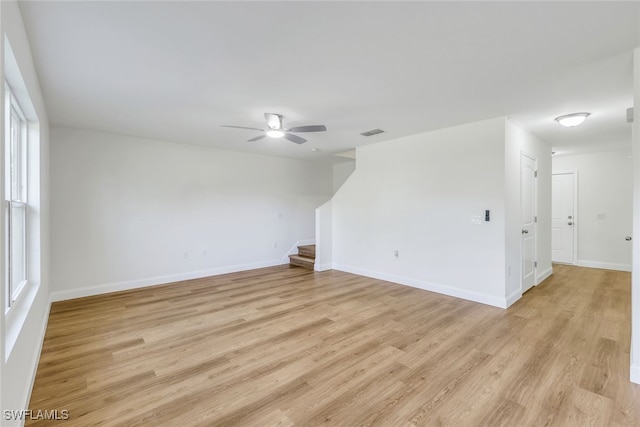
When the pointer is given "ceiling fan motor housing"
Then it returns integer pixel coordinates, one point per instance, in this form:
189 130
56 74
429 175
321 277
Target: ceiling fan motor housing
274 121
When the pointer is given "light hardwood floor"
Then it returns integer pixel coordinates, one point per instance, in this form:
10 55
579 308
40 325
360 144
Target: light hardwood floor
286 346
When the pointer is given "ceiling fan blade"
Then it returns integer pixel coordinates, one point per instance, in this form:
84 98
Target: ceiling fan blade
256 138
294 138
312 128
242 127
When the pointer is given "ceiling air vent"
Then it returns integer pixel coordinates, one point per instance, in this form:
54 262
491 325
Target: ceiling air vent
372 132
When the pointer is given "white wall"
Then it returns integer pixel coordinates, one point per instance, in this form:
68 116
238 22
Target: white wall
635 276
324 217
126 210
417 195
519 141
324 237
341 172
24 326
605 182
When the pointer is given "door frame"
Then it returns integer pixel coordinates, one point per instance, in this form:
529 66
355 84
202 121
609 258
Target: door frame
535 224
575 209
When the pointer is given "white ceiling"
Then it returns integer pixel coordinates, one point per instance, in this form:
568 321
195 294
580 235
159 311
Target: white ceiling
176 71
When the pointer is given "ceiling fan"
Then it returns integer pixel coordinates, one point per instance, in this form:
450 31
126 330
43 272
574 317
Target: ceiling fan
275 129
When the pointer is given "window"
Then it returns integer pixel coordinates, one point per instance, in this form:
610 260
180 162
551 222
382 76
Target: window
15 196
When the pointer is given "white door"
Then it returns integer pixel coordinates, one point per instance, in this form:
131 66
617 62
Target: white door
563 217
528 176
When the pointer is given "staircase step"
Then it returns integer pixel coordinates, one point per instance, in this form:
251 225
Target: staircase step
308 251
301 261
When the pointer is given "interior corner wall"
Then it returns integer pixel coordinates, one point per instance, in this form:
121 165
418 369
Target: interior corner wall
18 368
324 237
130 212
517 142
418 195
605 187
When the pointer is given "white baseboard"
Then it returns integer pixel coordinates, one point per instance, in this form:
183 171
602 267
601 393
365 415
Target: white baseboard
153 281
544 275
427 286
634 374
603 265
294 249
323 267
513 297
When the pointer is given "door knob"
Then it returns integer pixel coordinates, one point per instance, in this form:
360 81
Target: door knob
570 223
525 231
628 238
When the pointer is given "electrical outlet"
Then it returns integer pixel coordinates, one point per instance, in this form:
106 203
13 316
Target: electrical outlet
186 255
204 253
275 245
396 253
601 215
476 220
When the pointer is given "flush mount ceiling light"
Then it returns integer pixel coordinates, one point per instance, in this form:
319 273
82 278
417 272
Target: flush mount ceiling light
571 120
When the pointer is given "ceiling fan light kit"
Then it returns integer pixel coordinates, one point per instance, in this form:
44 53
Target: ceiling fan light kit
276 129
274 133
571 120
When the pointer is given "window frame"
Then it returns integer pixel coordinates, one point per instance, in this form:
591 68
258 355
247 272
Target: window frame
16 157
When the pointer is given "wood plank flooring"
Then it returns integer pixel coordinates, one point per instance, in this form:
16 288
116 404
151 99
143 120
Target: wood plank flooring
286 346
